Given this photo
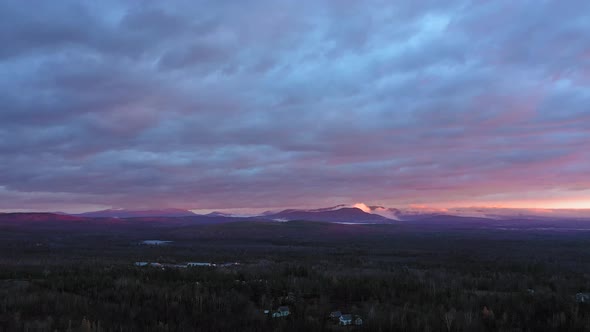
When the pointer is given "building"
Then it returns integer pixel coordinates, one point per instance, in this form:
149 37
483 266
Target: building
358 321
281 312
583 297
193 264
141 263
345 320
335 314
155 242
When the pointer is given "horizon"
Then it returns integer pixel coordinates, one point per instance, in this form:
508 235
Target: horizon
467 211
556 207
438 105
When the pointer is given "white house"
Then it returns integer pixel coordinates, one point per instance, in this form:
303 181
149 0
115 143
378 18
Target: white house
583 297
193 264
281 312
358 321
335 314
155 242
345 320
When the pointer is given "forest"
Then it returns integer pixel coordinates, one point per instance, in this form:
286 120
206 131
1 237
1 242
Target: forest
394 279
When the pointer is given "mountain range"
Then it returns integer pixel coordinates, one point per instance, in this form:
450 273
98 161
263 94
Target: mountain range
340 213
123 213
345 214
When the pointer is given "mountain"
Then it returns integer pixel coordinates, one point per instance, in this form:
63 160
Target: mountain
348 215
219 214
52 222
445 219
332 208
122 213
37 217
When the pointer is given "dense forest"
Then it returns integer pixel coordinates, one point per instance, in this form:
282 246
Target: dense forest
438 281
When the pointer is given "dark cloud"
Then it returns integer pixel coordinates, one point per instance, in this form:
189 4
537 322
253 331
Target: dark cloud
204 104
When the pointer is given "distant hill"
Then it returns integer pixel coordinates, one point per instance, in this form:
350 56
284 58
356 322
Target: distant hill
349 215
219 214
71 223
356 221
449 220
36 217
121 213
49 222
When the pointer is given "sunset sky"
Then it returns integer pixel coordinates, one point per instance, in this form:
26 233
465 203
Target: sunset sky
267 104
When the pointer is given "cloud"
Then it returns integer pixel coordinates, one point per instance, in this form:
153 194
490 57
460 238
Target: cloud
204 104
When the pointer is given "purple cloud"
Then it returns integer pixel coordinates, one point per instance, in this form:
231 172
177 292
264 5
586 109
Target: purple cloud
202 104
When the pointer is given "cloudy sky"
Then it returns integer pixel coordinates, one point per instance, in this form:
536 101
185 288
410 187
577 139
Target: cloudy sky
265 104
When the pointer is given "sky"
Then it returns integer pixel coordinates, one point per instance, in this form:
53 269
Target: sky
264 104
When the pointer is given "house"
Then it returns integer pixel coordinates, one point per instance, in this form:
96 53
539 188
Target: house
155 242
345 320
281 312
284 311
335 314
141 263
583 297
193 264
358 321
